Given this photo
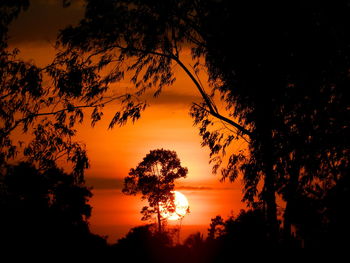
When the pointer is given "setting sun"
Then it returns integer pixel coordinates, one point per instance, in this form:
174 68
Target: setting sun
182 207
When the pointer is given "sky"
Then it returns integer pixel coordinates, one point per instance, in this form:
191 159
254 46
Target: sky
165 124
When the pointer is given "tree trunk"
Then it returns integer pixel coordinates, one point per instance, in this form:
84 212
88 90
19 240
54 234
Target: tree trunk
287 224
290 201
270 199
159 220
264 129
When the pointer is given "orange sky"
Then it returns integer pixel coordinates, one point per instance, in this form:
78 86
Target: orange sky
165 124
114 152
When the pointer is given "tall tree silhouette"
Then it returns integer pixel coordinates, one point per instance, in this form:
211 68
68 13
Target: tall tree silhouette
246 230
154 178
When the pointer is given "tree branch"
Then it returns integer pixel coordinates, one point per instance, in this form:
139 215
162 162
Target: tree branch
212 108
34 115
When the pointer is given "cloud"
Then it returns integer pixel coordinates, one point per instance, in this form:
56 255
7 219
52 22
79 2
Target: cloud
202 188
194 188
104 183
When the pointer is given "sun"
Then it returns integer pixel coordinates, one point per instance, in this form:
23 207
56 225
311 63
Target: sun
181 204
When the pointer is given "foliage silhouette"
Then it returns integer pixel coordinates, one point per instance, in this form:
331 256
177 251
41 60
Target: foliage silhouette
154 178
286 91
152 246
290 97
131 36
41 208
246 231
28 106
45 209
146 241
284 82
216 227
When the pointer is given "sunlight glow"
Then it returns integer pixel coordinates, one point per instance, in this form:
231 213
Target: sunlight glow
182 207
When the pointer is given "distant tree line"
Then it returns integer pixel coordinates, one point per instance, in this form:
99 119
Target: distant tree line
49 210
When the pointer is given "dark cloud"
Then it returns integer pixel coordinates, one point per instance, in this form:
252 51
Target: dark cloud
195 188
201 188
43 20
104 183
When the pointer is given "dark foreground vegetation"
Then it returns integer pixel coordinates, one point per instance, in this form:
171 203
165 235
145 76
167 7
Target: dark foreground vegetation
49 210
44 210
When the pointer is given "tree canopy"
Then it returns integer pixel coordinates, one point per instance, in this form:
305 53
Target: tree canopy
154 178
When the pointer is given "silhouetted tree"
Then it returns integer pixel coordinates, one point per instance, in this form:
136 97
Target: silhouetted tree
45 209
246 230
41 208
216 227
28 106
154 178
315 157
336 214
195 241
288 80
198 249
144 243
